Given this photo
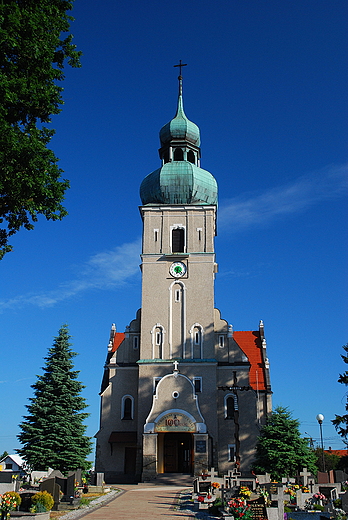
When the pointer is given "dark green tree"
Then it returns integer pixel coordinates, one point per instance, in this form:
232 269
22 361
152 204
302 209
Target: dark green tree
341 421
280 450
32 57
331 460
53 433
4 454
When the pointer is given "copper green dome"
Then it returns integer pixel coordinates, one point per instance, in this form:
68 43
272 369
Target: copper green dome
180 127
180 180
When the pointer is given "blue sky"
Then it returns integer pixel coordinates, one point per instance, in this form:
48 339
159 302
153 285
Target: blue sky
266 82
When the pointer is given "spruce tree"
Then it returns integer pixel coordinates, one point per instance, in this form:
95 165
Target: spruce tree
53 432
280 449
341 421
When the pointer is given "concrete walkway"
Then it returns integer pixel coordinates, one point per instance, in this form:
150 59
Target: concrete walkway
142 502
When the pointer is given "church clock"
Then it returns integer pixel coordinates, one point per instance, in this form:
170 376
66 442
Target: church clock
177 269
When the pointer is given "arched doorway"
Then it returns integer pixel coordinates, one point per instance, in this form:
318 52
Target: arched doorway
177 452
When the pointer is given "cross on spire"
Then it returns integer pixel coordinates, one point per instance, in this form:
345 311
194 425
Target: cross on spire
181 65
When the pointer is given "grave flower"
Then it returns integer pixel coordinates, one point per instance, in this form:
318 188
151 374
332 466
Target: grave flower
215 485
9 502
244 491
239 509
200 498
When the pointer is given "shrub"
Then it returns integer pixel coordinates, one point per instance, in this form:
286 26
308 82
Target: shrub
42 499
317 507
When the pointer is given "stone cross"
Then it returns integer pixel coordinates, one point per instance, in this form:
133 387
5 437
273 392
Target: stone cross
304 473
176 366
280 497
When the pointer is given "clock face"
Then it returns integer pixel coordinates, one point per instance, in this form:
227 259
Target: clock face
177 269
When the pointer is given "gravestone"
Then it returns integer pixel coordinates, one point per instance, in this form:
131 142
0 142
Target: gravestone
279 497
100 479
340 476
307 479
50 485
258 509
204 487
26 497
70 486
344 499
323 477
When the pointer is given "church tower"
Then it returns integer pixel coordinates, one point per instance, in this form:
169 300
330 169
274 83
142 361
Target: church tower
181 392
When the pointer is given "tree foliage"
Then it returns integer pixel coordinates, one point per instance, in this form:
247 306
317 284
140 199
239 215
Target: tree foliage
280 450
341 421
53 433
32 57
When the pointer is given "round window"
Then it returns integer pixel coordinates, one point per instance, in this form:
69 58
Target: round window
175 394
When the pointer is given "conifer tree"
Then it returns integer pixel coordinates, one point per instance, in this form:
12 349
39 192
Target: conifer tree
280 450
53 432
341 421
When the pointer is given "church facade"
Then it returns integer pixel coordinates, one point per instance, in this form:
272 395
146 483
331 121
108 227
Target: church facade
181 391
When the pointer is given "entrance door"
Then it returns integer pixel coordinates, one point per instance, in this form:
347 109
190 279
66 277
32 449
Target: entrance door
177 450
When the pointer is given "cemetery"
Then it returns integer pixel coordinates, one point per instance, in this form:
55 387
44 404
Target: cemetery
234 496
33 497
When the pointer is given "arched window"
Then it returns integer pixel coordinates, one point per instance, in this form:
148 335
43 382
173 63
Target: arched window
178 240
157 341
191 157
231 406
127 410
196 341
178 154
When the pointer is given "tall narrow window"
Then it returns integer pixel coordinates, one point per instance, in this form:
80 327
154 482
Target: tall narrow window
178 240
221 341
231 452
231 406
197 381
158 342
155 235
127 408
135 342
191 157
196 341
178 154
177 295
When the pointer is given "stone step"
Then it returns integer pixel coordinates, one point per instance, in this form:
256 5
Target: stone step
172 479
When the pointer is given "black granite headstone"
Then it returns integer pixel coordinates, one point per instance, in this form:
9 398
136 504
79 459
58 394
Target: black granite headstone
258 509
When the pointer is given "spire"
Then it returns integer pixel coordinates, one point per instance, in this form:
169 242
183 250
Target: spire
180 180
180 109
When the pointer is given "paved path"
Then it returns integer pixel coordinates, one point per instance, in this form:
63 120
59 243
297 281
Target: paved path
142 503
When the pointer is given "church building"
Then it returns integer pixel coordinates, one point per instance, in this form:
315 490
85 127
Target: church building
182 391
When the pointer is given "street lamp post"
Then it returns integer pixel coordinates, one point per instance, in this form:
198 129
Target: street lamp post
320 419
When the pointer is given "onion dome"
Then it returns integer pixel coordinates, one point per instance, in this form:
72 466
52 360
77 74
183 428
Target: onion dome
180 127
180 180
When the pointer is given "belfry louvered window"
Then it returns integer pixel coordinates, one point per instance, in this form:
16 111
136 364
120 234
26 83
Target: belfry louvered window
178 240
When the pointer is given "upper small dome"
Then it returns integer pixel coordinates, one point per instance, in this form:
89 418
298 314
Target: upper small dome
180 127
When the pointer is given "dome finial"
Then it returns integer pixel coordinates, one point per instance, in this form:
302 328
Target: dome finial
181 65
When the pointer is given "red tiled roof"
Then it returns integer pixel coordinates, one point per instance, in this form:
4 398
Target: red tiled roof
118 338
250 342
340 453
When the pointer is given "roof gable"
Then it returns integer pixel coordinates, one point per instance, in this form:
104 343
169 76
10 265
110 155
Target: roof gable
250 343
